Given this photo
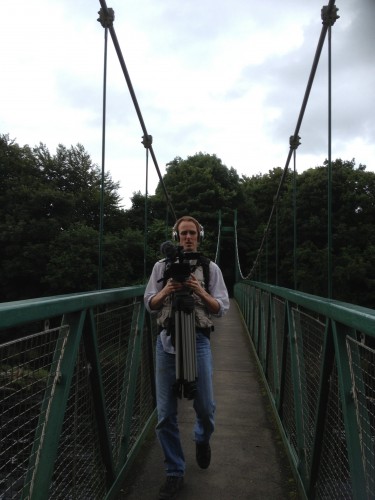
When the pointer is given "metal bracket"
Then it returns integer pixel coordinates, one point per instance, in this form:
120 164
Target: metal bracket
294 141
329 15
147 141
106 18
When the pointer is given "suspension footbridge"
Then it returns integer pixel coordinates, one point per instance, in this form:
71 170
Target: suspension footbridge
294 380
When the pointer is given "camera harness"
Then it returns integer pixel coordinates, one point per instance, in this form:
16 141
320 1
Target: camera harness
201 261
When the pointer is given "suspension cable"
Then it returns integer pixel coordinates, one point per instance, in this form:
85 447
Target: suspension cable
217 254
237 256
329 19
146 141
329 16
134 99
106 21
294 220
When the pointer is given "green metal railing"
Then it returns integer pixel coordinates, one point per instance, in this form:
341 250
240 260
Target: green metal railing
76 393
317 357
77 389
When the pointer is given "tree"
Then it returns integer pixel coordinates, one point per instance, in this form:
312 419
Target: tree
49 215
199 182
202 186
25 224
259 195
49 223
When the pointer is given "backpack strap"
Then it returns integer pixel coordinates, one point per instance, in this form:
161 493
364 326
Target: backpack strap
205 263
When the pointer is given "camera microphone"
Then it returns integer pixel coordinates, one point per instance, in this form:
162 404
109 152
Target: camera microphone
168 249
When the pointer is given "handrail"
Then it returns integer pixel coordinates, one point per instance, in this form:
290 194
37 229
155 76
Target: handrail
73 364
358 317
317 359
24 311
77 392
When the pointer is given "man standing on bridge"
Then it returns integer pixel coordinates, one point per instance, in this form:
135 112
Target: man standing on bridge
205 284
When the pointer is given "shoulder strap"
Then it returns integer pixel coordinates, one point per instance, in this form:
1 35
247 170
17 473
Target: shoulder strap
205 263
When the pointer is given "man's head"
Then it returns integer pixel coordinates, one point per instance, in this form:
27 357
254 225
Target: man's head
188 232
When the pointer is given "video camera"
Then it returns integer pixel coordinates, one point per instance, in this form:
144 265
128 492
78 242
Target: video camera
180 264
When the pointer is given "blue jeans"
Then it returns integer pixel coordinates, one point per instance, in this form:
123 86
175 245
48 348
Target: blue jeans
167 428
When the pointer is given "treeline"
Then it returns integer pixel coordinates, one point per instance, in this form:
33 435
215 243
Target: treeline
49 223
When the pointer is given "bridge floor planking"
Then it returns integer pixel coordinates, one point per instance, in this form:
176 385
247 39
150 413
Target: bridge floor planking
248 459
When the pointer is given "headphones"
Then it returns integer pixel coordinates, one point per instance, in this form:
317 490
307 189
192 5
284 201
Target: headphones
200 229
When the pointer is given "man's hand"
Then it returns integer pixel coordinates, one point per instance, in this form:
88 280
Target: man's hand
194 285
171 286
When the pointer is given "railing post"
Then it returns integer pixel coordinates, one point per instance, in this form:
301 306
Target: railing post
92 354
130 380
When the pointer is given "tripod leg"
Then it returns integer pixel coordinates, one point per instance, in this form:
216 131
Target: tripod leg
194 349
178 345
188 340
185 352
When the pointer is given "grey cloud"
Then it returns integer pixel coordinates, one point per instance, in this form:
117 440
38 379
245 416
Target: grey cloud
353 83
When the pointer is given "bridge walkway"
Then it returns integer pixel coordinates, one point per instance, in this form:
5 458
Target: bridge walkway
248 459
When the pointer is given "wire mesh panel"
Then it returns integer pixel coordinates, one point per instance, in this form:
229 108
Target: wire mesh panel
288 406
287 411
65 393
270 361
145 400
334 474
279 311
310 338
256 319
362 361
324 356
265 329
113 331
248 305
25 370
79 472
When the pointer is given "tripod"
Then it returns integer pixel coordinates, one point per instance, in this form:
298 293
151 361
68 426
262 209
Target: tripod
185 346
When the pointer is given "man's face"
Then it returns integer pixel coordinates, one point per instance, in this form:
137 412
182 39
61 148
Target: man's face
188 236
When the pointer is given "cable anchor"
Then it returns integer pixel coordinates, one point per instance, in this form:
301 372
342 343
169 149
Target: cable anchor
294 141
329 15
147 141
106 17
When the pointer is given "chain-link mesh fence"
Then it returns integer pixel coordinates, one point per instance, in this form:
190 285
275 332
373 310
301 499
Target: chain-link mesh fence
323 354
310 336
362 364
26 365
32 382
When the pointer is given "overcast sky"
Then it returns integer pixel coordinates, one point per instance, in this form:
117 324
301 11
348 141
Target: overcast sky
213 76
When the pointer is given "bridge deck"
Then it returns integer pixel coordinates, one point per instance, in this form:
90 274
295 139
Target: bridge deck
248 460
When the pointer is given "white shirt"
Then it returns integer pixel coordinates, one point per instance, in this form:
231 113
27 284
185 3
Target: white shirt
216 288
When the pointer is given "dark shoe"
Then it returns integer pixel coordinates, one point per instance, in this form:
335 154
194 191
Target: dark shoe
203 454
171 487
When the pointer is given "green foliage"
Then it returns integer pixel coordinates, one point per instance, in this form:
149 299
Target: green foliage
49 223
353 215
201 182
73 257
